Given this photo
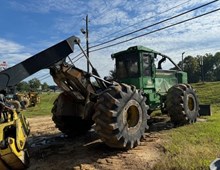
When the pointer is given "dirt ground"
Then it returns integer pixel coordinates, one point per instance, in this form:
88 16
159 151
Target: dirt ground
50 149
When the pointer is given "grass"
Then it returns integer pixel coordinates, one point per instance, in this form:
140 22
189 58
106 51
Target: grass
42 108
187 147
194 146
208 93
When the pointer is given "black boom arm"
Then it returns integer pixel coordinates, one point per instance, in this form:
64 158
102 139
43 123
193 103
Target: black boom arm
42 60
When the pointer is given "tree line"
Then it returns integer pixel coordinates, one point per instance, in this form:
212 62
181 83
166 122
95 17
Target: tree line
32 85
202 67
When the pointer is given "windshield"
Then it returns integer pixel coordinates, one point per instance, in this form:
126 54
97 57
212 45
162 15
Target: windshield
127 66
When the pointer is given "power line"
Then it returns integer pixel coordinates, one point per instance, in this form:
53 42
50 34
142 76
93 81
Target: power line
48 74
77 57
45 77
128 34
146 19
157 23
42 76
160 29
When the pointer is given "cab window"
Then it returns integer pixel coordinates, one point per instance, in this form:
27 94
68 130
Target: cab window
146 64
127 66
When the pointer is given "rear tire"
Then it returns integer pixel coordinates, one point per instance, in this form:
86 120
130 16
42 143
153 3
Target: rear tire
67 118
71 125
121 116
26 102
182 104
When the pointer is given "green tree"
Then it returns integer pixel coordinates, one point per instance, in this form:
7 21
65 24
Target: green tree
217 66
217 60
208 67
23 86
34 84
45 86
192 67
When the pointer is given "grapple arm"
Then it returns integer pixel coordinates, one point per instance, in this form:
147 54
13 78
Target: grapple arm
42 60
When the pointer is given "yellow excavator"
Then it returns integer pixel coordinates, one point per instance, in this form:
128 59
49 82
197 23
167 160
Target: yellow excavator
14 130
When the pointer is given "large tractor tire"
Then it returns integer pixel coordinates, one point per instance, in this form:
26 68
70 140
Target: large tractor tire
67 116
26 102
121 116
182 104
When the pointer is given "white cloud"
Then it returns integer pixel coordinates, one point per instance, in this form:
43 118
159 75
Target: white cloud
46 6
11 52
9 46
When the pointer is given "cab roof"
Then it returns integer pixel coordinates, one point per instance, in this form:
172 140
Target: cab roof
134 48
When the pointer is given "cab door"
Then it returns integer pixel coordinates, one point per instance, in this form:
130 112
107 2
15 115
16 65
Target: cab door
147 70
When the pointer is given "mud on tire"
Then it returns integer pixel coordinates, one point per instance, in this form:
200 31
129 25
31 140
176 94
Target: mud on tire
182 104
121 116
67 118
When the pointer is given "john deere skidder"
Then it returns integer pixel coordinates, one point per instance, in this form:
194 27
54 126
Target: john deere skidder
164 89
118 110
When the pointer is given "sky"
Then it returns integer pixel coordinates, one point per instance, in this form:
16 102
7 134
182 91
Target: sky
30 26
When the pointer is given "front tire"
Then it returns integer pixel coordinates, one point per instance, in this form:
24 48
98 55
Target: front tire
121 116
182 104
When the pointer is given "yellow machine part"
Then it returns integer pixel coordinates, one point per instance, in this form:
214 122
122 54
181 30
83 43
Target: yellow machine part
34 98
14 155
23 98
13 158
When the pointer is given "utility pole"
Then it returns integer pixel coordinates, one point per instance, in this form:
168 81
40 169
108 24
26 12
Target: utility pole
202 71
182 61
86 33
